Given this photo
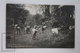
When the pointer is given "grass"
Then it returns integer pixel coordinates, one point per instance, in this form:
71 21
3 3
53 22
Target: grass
44 40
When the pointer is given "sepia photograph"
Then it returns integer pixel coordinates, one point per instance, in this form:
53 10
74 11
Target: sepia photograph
40 26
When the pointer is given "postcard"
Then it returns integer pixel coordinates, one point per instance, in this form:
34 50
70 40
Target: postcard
40 26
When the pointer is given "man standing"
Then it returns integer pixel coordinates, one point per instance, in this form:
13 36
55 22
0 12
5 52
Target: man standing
18 29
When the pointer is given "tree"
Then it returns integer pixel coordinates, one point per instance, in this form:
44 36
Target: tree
16 14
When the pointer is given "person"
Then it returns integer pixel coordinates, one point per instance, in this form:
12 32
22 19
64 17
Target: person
18 29
27 29
43 24
34 31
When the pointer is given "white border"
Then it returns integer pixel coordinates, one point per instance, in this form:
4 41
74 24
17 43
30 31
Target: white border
3 44
54 2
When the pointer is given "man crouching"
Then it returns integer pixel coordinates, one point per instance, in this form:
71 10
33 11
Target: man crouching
34 32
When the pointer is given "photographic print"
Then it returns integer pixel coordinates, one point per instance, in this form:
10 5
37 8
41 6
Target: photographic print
40 26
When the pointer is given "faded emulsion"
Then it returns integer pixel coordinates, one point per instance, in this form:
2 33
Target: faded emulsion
40 26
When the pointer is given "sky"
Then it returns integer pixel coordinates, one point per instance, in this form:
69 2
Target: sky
33 9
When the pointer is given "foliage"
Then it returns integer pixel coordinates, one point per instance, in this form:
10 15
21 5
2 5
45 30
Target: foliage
15 14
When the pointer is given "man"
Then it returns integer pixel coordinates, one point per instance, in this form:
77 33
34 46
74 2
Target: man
18 29
27 29
43 27
54 31
34 31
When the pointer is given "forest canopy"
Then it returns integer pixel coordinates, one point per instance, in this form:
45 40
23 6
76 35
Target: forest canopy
56 14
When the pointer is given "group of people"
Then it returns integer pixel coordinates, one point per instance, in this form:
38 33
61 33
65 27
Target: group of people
32 30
